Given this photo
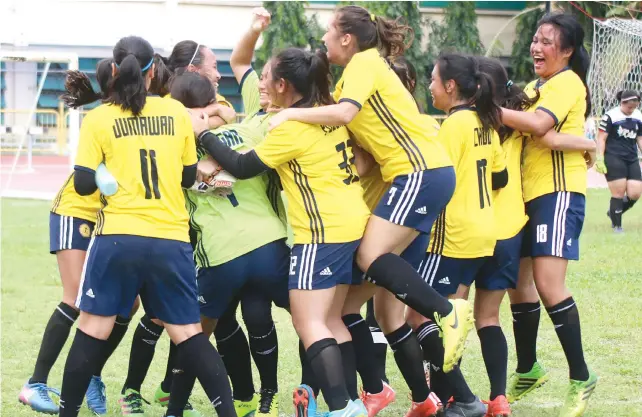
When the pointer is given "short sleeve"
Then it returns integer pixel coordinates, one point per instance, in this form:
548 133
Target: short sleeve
639 127
283 144
606 123
358 81
561 96
189 157
450 137
338 89
250 92
90 152
222 100
499 157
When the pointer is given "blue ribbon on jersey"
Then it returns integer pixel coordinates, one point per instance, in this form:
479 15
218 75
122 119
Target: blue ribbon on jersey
148 66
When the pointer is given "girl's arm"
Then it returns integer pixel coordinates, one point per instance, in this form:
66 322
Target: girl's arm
601 142
363 161
333 115
537 123
241 59
565 142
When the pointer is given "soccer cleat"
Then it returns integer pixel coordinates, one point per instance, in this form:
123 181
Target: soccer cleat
520 385
374 403
268 404
454 330
305 405
246 408
577 396
498 407
618 230
429 408
96 396
353 409
458 409
161 397
131 403
37 397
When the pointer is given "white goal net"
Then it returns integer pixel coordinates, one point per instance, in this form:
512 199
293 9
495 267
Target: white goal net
616 62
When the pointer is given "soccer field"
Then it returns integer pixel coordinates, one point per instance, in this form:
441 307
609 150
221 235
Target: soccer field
606 284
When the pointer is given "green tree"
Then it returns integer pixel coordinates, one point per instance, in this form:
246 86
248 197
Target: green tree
289 27
457 33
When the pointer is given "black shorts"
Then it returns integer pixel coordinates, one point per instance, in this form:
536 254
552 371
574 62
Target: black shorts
618 168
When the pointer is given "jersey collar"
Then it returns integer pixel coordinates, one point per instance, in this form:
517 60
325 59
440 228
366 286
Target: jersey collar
462 107
540 83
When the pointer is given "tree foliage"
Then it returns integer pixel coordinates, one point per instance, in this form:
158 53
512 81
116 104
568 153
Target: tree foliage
457 33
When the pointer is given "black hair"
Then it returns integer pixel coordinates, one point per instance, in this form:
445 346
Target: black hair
192 89
474 86
78 89
406 72
507 94
391 37
572 37
133 57
627 94
184 53
309 74
162 75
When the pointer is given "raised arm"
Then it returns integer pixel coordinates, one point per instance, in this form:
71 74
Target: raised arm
241 59
333 115
537 123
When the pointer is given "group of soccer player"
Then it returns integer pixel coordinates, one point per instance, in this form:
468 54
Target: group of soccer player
382 202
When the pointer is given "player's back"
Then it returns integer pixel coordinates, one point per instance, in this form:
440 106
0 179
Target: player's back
476 153
146 155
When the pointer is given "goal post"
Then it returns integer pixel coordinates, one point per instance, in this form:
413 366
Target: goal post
46 57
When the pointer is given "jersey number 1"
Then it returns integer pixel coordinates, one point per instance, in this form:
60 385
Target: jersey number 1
144 172
484 197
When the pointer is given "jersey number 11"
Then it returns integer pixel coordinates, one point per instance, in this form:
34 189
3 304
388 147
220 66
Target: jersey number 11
144 172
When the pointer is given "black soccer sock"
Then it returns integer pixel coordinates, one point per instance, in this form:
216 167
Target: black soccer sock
400 278
197 356
349 368
116 336
172 358
525 327
143 347
307 374
566 320
264 344
364 352
616 209
380 348
628 203
408 356
181 389
82 362
53 340
495 353
235 351
325 359
433 350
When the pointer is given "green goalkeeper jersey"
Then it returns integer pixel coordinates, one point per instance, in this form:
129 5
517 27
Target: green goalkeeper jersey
254 214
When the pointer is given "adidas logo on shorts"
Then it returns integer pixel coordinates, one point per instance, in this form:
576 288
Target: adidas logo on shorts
421 210
201 299
90 293
326 272
445 281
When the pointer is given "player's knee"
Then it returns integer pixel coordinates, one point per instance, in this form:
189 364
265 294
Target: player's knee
414 319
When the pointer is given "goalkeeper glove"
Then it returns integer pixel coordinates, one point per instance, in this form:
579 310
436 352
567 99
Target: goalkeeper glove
600 166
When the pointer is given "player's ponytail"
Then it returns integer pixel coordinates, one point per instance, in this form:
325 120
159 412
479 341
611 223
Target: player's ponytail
405 71
192 90
571 36
308 73
391 37
162 75
507 94
133 58
78 89
473 86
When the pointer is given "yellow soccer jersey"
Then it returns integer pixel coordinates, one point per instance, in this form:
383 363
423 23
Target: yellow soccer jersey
316 166
69 203
547 171
469 230
146 155
222 100
508 202
374 187
389 124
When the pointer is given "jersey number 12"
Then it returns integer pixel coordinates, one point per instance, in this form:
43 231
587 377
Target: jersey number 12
144 172
484 197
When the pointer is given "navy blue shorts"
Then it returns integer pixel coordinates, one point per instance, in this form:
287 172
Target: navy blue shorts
415 200
554 225
318 266
119 267
67 232
444 274
501 270
264 270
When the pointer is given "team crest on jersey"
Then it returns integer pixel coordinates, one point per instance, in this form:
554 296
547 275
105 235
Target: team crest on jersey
85 230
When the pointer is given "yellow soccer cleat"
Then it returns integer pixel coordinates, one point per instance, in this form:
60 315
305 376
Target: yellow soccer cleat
454 330
577 396
246 408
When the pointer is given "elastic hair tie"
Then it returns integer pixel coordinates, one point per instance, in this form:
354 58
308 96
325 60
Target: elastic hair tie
148 66
509 84
373 17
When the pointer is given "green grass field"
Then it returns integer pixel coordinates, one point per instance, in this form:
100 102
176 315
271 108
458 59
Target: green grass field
606 283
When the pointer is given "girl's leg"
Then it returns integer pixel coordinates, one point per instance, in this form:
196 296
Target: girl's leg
616 207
